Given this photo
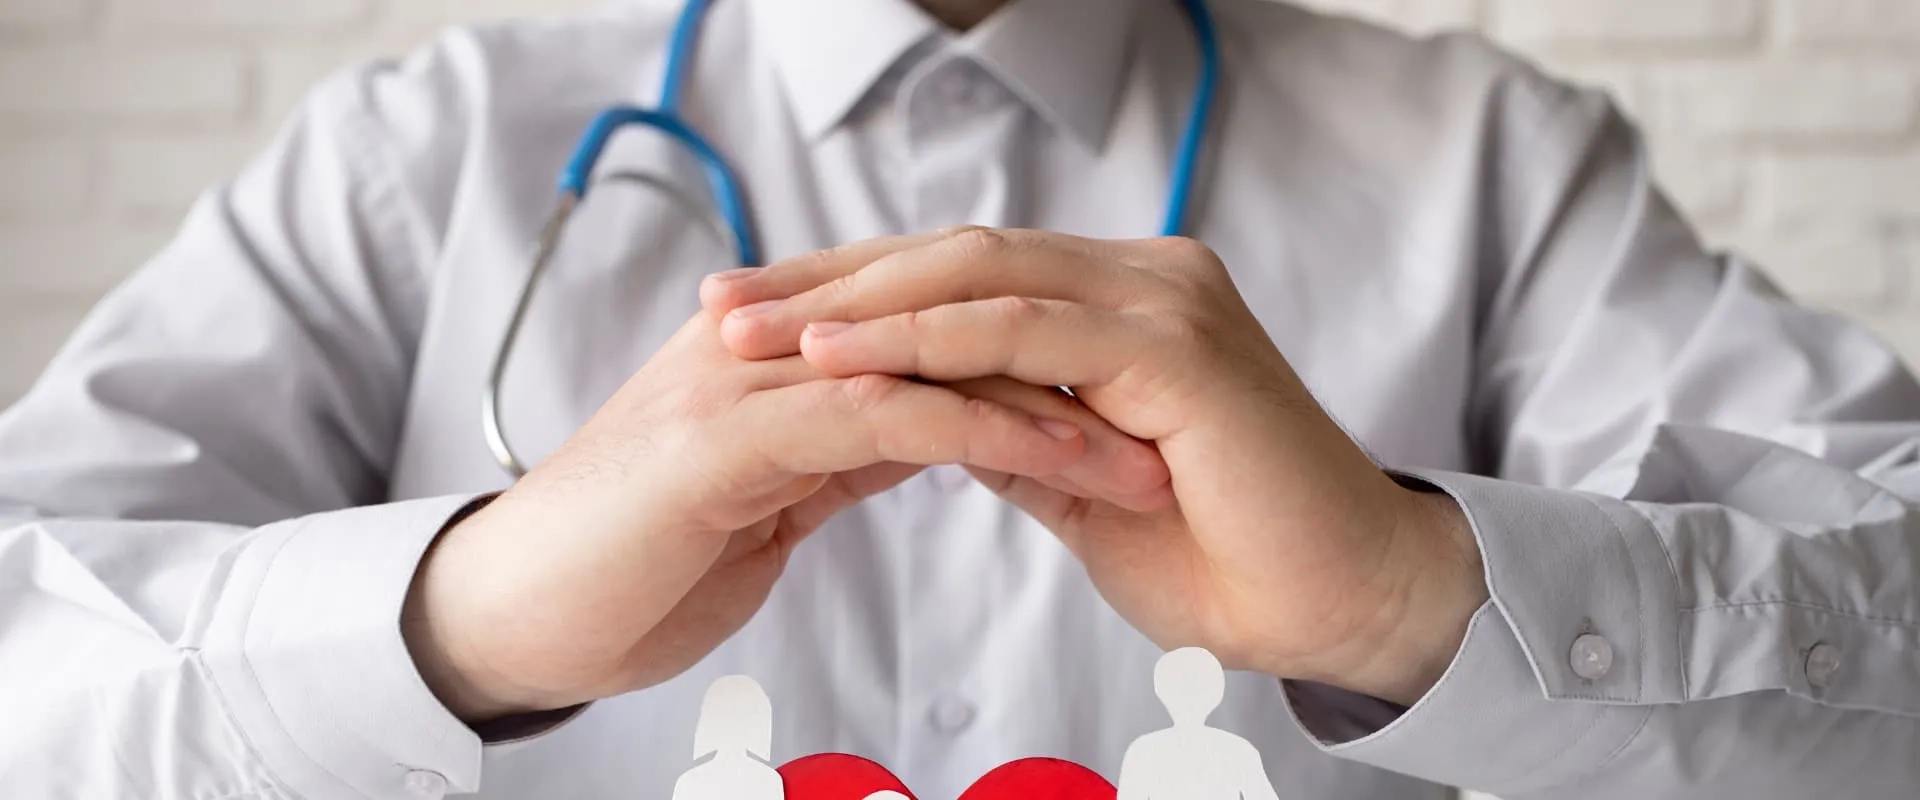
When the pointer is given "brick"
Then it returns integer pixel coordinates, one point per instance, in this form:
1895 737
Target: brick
156 179
1851 23
1788 99
72 260
1851 264
43 181
1840 186
1708 186
91 82
305 17
1715 24
41 16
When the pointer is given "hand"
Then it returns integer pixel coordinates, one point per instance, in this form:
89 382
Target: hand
659 528
1288 550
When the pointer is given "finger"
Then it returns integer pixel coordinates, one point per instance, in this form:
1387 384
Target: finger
841 491
1042 342
774 374
830 426
701 336
969 266
1116 467
1051 507
1143 503
723 292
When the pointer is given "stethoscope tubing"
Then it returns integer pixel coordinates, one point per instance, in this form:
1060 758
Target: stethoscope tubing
731 216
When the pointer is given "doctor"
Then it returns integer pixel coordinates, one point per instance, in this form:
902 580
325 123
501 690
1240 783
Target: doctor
1464 455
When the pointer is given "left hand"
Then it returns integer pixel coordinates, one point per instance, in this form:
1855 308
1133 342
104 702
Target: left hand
1287 551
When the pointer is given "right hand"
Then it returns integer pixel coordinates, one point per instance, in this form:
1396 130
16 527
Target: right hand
659 528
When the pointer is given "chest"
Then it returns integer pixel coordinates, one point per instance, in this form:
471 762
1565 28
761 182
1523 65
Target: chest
1375 320
933 629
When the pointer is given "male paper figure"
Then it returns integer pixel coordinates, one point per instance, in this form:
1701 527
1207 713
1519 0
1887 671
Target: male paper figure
736 731
1191 761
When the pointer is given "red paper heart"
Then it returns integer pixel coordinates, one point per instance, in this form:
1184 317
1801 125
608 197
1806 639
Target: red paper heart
837 776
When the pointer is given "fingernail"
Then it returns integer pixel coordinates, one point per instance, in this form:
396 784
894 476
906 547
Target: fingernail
756 309
732 274
1057 429
822 330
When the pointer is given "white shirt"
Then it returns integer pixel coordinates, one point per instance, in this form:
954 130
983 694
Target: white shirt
212 503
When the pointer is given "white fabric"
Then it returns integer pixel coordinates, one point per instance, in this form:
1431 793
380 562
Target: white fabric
215 496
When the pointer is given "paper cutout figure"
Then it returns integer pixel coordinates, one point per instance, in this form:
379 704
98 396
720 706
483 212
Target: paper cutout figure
1190 761
735 735
732 749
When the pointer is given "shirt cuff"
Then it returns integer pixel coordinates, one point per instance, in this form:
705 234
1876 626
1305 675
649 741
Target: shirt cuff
1556 674
305 647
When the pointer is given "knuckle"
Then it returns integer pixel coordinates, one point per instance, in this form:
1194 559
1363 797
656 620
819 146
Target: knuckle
981 243
865 392
799 273
1184 332
910 322
829 258
981 411
1182 255
1185 249
1016 310
840 289
957 230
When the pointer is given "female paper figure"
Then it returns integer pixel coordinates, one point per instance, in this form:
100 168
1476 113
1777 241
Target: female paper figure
735 736
1190 761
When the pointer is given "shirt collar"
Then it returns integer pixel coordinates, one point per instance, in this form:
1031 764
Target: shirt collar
1065 58
828 54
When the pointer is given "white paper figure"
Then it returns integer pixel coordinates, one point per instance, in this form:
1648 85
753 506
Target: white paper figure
1191 761
887 794
735 735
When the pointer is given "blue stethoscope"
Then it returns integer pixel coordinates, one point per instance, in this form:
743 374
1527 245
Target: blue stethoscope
732 219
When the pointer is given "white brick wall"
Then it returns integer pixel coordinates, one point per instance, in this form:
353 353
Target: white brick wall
1788 129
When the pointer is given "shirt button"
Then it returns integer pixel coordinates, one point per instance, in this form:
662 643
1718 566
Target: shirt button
972 94
1823 662
1591 657
955 89
952 715
951 478
426 783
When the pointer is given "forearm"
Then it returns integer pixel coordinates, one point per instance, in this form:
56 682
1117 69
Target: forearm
188 659
1746 621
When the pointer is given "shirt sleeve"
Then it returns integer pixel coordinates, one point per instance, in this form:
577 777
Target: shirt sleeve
1700 531
200 577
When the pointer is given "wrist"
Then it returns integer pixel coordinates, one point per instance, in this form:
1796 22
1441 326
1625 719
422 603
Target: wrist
445 650
1440 585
